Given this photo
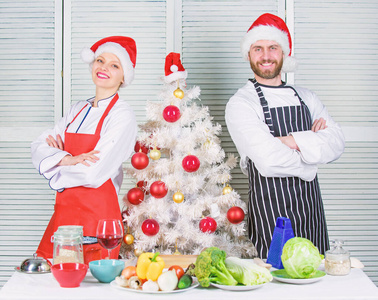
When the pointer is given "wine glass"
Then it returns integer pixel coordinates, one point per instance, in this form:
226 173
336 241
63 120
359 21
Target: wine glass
109 233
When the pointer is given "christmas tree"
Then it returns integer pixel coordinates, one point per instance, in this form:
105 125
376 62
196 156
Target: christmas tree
182 201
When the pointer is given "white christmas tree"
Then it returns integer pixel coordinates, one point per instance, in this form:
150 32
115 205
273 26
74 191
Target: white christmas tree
182 202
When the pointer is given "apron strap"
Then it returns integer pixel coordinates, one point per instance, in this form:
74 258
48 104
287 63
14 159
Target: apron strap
265 106
76 116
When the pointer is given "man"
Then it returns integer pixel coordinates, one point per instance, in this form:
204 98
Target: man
281 133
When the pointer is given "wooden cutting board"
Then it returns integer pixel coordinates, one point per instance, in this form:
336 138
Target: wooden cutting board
181 260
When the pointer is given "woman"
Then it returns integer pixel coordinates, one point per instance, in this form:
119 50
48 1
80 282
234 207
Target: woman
82 155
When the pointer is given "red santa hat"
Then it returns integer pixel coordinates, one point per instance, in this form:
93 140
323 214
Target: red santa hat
272 28
122 46
174 70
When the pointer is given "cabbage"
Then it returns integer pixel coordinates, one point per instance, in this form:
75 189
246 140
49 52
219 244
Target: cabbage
300 258
247 272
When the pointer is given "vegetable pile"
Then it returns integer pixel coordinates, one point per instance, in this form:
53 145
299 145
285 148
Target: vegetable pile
212 266
148 275
300 258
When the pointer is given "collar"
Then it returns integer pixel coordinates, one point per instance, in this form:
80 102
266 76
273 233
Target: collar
102 102
283 84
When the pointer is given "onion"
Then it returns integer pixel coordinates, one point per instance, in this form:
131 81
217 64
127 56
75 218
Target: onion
129 271
168 281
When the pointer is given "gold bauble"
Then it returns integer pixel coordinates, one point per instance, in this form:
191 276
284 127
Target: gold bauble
227 189
128 239
138 252
178 197
155 154
178 93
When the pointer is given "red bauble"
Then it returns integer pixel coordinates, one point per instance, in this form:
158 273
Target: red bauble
171 113
191 163
208 225
143 186
158 189
150 227
135 196
140 160
140 147
235 215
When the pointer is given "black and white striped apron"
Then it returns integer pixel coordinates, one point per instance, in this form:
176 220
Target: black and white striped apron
290 197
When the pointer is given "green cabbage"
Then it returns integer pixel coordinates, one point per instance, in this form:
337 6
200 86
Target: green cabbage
246 272
300 258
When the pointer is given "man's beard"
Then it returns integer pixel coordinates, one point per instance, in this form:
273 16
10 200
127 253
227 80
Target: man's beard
267 74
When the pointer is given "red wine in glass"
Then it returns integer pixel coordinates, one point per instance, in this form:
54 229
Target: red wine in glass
109 233
109 241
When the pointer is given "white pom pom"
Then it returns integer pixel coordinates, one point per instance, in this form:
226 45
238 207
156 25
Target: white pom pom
174 68
87 55
289 64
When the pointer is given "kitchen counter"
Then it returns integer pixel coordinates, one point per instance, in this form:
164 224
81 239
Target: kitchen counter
356 285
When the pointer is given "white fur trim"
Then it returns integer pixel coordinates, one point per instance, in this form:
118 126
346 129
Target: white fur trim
289 64
264 32
175 76
87 55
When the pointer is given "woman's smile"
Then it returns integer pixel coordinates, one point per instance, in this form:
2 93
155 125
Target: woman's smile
102 75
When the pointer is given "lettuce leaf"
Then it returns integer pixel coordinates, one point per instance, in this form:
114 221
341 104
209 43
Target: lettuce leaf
247 272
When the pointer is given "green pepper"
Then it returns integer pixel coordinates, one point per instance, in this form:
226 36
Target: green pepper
185 281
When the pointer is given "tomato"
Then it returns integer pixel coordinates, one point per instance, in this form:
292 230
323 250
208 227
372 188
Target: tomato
179 271
129 272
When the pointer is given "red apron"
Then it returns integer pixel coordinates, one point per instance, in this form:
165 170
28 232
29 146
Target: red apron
81 205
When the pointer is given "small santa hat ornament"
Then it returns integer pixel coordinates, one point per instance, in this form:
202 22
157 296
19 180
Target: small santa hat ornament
174 70
272 28
122 46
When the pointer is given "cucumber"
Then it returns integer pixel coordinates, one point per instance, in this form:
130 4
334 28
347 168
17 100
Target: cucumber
185 282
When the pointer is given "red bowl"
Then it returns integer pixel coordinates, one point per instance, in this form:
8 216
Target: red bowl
69 275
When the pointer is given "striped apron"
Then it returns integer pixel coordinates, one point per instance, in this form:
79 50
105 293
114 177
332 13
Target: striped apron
290 197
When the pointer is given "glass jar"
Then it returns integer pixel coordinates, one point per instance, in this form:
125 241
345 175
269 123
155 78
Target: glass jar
337 259
68 244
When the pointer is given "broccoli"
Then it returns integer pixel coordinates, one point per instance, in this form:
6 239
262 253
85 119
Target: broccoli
210 267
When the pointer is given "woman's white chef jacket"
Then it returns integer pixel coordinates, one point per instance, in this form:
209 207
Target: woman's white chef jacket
118 136
251 136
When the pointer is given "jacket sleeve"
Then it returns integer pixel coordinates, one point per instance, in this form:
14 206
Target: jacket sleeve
252 138
325 145
44 157
116 144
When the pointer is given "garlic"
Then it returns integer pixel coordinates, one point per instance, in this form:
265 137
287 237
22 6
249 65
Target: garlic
150 286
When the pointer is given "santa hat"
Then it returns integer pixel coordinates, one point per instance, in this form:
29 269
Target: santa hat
272 28
174 70
122 46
